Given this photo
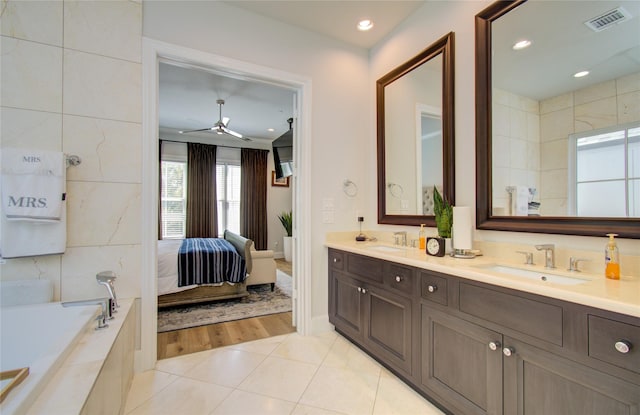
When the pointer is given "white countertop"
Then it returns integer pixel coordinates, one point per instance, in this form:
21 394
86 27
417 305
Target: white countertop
621 296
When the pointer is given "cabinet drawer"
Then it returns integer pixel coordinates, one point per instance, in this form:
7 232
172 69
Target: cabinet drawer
433 288
529 317
336 259
399 278
362 266
603 336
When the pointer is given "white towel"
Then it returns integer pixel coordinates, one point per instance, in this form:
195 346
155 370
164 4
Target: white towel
32 184
520 201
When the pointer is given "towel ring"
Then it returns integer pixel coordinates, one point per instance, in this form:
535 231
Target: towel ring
73 160
395 189
349 188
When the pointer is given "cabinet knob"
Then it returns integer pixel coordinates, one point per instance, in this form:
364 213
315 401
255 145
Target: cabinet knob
432 288
508 351
623 346
336 260
359 289
398 278
364 291
495 345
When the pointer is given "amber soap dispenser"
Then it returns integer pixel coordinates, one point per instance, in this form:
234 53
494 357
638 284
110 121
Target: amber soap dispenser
611 259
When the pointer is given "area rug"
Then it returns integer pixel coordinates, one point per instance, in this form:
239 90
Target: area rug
261 301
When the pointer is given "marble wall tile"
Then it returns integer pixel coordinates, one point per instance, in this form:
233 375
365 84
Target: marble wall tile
554 155
557 103
629 107
500 123
554 207
557 124
36 267
517 123
80 266
629 83
103 213
553 184
30 129
31 75
533 127
595 92
524 103
532 151
101 144
110 28
518 150
38 21
101 87
520 177
596 114
500 96
501 154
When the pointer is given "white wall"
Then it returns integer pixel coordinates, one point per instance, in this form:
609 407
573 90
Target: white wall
428 24
71 81
341 117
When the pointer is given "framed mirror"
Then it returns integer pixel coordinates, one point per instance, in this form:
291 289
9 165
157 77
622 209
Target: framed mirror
415 135
555 152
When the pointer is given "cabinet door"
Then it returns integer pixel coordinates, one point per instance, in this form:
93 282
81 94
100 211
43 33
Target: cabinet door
388 327
538 382
345 308
462 362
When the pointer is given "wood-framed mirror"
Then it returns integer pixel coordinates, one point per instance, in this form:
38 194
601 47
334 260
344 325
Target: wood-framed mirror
415 135
556 119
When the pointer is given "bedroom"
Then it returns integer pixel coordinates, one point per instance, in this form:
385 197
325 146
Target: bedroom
193 103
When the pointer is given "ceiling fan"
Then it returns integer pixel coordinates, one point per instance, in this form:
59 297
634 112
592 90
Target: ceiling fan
220 127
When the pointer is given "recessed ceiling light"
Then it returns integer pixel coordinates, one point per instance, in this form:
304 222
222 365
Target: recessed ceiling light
270 130
580 74
365 25
521 44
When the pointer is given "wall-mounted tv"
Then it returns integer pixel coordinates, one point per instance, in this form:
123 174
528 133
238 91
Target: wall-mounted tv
283 153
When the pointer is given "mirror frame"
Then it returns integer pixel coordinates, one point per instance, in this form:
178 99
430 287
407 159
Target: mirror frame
586 226
444 46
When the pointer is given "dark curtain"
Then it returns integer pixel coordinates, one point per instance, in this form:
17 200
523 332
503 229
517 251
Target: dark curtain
253 196
202 215
160 190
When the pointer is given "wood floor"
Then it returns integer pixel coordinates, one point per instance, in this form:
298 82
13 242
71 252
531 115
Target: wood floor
197 339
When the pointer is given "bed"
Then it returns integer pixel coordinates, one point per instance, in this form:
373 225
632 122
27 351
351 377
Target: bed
171 292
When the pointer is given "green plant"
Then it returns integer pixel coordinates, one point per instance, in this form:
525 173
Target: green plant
286 218
444 214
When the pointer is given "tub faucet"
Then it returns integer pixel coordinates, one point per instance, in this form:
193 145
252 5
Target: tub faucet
105 303
107 278
549 254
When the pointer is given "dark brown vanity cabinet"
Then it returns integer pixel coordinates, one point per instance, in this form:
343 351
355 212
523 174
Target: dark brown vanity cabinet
368 303
483 349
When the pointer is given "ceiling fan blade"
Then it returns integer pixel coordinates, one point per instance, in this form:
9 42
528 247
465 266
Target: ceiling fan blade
235 134
194 131
225 121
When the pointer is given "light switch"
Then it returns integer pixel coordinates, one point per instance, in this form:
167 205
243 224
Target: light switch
404 204
327 203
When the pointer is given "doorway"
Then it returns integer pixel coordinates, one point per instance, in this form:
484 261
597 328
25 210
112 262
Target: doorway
155 52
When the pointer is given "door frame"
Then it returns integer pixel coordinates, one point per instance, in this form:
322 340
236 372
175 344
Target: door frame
153 52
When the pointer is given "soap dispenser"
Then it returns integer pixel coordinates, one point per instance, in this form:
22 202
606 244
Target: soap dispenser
422 238
611 259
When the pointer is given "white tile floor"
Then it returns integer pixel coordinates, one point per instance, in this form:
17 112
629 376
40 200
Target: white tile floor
288 374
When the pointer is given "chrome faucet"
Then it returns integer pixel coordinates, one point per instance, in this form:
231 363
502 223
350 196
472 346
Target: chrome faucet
107 279
549 254
105 303
403 238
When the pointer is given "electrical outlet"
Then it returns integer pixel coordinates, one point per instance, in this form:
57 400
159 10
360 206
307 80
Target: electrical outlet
360 219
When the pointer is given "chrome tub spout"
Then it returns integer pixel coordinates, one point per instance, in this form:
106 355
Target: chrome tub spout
108 278
105 303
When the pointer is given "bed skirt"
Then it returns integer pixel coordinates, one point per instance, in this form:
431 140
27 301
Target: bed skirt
203 293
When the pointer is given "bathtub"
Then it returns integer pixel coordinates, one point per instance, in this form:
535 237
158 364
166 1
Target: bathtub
38 336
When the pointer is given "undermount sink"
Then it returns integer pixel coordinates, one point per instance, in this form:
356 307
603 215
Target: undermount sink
385 248
534 275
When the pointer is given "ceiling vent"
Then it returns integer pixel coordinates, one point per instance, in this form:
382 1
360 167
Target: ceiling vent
608 19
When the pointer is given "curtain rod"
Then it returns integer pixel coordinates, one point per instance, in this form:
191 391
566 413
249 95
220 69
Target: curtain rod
217 145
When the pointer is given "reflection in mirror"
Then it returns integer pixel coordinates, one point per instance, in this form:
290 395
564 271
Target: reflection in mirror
415 136
558 153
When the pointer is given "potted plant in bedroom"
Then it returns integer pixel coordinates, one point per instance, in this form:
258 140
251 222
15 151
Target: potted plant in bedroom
444 217
286 218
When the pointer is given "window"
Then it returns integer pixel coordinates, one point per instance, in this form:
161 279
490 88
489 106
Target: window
173 198
228 189
607 172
